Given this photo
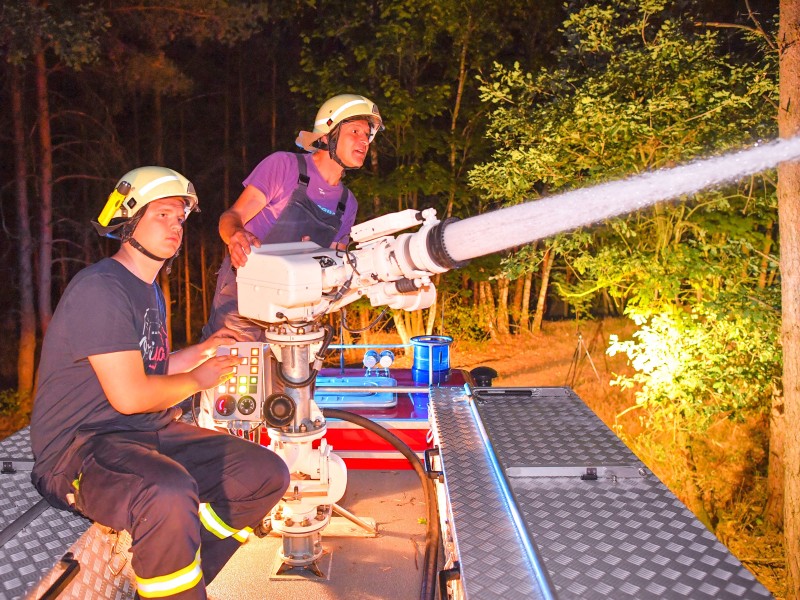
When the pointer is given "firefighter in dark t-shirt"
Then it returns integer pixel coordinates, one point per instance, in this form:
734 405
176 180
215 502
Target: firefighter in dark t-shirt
104 427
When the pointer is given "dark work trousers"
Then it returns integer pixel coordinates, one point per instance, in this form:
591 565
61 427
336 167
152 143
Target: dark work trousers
151 483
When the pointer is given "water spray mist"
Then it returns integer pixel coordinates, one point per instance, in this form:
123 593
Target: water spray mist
535 220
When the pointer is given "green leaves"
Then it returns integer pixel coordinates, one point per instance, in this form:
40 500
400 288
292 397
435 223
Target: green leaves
638 86
70 31
711 362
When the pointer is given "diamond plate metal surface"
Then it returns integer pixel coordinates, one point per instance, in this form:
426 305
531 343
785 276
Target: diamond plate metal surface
627 539
17 445
494 561
26 558
611 538
33 551
17 495
30 560
105 572
549 427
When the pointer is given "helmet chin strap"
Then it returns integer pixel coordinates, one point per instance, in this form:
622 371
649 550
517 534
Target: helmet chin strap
338 160
132 241
126 235
333 138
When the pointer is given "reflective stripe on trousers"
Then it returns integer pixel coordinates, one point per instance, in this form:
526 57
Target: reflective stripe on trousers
173 583
220 528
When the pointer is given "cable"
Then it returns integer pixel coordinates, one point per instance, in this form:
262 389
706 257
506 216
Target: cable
433 533
366 327
194 406
320 356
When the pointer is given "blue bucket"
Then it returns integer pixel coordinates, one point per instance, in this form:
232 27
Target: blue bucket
431 358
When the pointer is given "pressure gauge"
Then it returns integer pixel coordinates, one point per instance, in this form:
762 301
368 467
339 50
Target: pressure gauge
246 405
225 405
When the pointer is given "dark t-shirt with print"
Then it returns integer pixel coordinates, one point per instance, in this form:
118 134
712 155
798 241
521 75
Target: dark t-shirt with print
104 309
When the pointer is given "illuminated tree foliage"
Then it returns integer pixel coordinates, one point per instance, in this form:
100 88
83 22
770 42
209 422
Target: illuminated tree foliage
641 86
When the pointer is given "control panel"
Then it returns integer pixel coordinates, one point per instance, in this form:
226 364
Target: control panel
241 396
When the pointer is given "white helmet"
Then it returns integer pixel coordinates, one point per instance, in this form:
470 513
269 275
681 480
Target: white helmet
138 188
336 110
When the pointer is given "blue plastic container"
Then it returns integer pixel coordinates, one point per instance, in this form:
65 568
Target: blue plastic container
431 358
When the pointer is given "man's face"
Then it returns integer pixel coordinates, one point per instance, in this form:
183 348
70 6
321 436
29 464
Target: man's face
161 227
353 142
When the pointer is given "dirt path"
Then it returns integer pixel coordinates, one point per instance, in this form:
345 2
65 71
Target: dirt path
563 354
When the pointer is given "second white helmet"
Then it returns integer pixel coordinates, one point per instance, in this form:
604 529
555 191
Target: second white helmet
336 110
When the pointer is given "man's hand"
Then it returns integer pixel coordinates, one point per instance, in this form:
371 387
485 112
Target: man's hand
239 246
214 371
191 357
222 337
231 224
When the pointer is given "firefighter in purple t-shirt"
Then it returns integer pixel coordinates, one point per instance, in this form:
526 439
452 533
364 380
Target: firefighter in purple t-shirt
293 197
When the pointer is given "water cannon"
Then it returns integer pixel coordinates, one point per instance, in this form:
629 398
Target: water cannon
299 282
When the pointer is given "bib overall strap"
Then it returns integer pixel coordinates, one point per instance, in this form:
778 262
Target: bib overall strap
302 177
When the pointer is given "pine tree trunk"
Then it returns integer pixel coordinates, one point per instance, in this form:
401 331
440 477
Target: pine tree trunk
462 78
226 148
363 321
516 302
419 322
400 325
46 191
158 157
347 337
789 225
27 321
765 261
273 134
243 125
374 157
487 307
204 277
187 292
430 322
693 492
166 290
502 305
525 311
541 302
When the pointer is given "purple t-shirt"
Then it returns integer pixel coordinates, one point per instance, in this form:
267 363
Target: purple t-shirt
276 178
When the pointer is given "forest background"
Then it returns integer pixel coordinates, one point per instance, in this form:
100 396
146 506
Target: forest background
486 104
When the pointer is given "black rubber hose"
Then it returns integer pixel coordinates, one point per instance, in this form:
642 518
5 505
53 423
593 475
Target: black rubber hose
428 589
